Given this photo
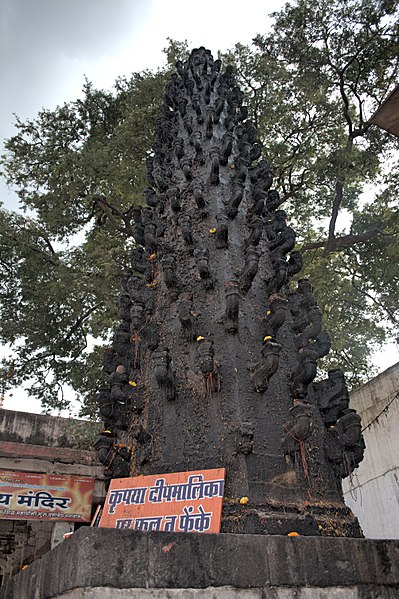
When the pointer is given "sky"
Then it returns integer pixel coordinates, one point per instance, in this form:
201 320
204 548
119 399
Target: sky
48 47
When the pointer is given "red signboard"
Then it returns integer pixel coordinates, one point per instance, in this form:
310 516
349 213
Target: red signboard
179 502
28 496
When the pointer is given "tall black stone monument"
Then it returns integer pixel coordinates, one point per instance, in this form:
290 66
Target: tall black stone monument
214 360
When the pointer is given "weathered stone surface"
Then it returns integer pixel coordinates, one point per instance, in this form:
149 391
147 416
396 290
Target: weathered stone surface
273 567
211 593
214 335
231 593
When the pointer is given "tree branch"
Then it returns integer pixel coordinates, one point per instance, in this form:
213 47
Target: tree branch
338 244
110 212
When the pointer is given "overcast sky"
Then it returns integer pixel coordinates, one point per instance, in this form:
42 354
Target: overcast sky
47 47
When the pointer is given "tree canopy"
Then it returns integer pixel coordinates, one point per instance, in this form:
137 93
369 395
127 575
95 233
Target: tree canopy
311 84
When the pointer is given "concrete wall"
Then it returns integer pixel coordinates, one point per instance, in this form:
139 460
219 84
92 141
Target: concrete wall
100 563
373 491
38 429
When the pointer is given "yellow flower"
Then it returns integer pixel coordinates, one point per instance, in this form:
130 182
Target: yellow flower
268 312
200 338
213 230
266 338
244 500
132 384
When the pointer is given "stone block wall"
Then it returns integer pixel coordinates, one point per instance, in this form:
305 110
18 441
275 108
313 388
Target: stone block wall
124 564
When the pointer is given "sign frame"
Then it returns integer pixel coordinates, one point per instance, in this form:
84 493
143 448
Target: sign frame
172 502
46 497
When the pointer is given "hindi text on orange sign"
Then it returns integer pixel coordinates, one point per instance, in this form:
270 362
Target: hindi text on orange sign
179 502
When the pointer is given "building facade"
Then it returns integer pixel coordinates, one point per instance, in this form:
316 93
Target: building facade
34 443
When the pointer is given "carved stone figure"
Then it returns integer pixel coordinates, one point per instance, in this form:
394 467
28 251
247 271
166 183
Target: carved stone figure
256 227
196 141
295 263
186 228
313 330
187 315
169 270
232 293
277 314
138 229
333 396
210 120
151 197
124 306
121 340
137 316
198 193
201 255
214 155
222 231
250 269
106 406
322 345
279 276
219 108
344 444
299 427
185 164
227 146
305 372
178 147
284 241
270 355
150 236
138 261
173 195
236 199
259 198
208 367
119 385
273 200
164 375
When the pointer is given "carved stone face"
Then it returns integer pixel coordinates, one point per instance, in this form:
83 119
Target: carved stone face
185 220
232 289
136 313
305 286
336 375
124 302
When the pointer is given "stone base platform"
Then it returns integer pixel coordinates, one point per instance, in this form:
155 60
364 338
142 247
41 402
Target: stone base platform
97 563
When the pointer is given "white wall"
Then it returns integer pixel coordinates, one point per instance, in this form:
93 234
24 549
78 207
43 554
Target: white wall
373 491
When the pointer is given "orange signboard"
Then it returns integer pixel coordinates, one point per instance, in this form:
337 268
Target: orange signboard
28 496
179 502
